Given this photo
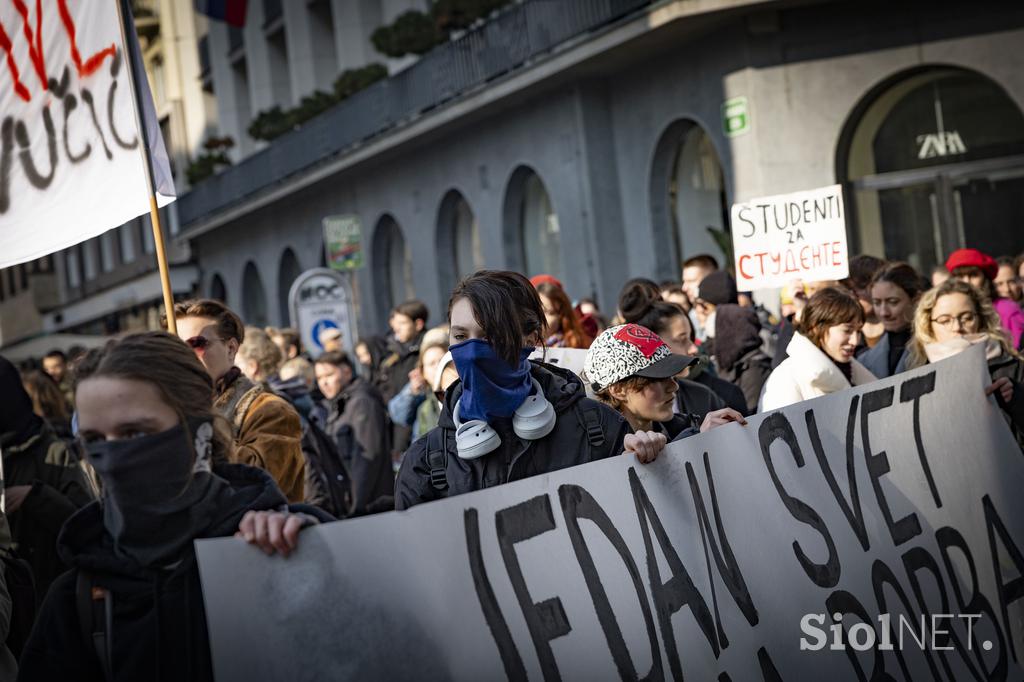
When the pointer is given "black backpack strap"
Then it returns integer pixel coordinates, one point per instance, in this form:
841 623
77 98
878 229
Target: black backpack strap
95 607
437 459
590 420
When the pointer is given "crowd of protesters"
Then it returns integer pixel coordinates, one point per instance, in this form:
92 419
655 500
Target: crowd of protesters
116 460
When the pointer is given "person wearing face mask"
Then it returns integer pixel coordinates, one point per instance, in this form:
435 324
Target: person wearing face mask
820 356
894 290
131 607
633 371
954 316
267 430
507 418
980 270
44 482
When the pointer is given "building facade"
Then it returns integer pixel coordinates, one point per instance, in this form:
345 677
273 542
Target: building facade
601 140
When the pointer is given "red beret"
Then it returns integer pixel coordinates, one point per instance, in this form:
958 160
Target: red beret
962 258
537 280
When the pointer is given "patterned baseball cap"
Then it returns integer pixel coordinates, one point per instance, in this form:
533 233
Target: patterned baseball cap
631 350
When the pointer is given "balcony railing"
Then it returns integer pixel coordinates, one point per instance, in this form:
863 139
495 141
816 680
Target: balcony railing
504 44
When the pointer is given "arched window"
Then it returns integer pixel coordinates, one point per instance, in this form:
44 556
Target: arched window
688 199
533 236
934 161
392 265
287 272
254 297
458 240
218 291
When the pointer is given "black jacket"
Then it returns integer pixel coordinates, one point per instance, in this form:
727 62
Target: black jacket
357 420
749 373
1013 369
694 401
59 489
567 445
159 621
729 393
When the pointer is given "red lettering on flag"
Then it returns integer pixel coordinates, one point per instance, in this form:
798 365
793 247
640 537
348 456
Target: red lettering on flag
92 63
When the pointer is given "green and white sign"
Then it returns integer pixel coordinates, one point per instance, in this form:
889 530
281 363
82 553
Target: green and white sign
735 117
343 240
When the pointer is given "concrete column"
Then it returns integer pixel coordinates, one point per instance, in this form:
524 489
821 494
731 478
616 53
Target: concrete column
312 58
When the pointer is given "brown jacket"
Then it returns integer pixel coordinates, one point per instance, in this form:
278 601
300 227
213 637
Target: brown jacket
268 434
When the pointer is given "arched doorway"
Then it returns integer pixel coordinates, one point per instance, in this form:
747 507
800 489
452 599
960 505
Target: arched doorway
459 251
533 237
254 297
933 161
218 291
392 266
287 272
688 198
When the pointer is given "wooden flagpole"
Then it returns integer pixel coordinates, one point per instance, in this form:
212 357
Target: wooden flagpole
154 213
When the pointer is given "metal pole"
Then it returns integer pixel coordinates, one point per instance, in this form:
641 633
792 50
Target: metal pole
147 162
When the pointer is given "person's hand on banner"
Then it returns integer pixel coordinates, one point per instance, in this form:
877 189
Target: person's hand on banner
646 445
1003 386
720 418
273 531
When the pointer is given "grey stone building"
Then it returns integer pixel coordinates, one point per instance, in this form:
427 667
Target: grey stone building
597 140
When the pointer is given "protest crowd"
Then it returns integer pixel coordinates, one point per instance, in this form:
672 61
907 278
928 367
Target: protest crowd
116 459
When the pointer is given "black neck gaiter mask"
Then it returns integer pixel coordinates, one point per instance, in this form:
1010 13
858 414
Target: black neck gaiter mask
156 500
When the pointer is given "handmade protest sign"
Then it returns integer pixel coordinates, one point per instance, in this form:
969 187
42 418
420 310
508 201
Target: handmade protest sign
878 531
790 236
70 163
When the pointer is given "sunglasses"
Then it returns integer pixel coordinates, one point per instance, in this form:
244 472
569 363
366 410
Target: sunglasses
198 343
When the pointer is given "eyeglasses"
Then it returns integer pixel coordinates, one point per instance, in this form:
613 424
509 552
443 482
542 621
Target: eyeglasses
198 343
963 320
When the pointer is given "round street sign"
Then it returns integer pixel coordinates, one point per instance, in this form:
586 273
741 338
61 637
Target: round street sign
321 299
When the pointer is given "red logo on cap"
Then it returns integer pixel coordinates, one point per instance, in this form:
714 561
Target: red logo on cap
643 338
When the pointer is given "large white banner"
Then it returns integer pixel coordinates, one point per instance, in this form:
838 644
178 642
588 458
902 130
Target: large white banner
873 532
799 236
70 163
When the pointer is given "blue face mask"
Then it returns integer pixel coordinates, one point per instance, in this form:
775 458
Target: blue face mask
491 388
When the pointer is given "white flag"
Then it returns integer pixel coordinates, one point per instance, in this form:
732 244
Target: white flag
70 160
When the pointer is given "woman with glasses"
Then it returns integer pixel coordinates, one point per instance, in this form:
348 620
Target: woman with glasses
980 270
954 316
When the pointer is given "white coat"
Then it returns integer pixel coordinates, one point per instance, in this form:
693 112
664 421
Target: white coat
807 373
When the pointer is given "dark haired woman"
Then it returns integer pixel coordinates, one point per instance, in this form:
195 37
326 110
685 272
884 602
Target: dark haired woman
980 270
894 290
635 295
507 418
821 353
48 402
150 431
562 328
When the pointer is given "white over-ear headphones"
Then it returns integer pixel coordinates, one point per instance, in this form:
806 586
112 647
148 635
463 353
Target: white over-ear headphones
533 420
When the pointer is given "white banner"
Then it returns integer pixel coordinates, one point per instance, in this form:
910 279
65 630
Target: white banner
892 505
70 163
799 236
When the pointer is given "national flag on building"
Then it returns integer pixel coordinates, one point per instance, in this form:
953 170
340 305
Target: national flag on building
231 12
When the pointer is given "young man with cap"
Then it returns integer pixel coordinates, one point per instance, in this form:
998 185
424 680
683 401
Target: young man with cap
631 369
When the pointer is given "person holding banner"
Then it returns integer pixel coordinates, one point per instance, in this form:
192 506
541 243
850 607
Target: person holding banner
632 370
894 290
507 418
132 603
954 316
821 353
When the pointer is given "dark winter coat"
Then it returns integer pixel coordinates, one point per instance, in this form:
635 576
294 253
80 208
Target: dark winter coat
729 393
357 420
567 445
738 354
1013 369
694 401
59 489
159 621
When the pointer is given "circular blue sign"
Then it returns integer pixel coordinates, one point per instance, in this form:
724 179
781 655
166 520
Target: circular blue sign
319 327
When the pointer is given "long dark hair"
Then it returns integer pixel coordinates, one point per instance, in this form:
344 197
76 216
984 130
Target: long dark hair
574 335
170 366
507 308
